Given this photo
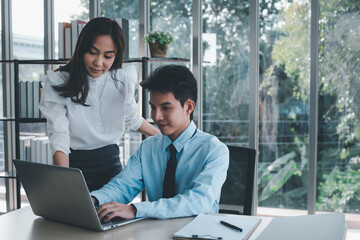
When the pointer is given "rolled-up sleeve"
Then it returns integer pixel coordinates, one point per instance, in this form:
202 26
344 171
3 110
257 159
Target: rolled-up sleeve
53 108
132 112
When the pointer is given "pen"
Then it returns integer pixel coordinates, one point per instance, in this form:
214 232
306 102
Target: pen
231 226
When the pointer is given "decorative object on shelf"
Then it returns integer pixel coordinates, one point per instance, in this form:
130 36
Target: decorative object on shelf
158 43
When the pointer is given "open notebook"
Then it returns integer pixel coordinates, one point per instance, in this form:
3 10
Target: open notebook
208 226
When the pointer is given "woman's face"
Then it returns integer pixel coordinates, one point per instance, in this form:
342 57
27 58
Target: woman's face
100 57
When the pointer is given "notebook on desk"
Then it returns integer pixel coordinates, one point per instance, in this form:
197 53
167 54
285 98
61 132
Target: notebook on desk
224 227
60 194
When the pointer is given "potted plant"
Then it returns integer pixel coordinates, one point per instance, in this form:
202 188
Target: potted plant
158 43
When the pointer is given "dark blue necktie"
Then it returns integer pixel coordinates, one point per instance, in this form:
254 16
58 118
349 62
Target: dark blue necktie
169 179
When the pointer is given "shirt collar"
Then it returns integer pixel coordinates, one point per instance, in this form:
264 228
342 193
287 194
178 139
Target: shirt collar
182 139
98 79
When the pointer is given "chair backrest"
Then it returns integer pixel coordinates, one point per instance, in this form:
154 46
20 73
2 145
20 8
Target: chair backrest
237 191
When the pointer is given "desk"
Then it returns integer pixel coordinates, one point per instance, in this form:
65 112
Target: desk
23 224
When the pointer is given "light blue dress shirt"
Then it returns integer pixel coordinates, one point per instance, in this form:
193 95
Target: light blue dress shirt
200 173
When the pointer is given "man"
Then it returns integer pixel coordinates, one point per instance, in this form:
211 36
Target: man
182 169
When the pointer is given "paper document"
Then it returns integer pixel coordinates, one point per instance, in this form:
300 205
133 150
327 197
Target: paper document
209 227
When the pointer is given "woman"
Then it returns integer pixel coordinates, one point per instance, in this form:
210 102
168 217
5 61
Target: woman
88 101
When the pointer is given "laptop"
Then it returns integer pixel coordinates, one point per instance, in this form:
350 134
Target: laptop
60 194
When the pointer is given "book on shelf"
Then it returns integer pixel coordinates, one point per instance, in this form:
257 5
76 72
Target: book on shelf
67 43
68 35
124 24
75 32
36 96
25 147
33 150
29 99
40 150
23 98
44 151
28 153
61 40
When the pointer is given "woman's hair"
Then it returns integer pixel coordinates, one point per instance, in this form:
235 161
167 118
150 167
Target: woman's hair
77 85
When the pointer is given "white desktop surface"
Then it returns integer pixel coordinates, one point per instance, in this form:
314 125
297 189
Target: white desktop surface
23 224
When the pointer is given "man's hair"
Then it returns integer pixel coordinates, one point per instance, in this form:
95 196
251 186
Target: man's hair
176 79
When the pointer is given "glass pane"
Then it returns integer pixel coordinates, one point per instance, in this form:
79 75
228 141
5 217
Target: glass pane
2 153
2 169
0 38
173 17
2 196
129 10
339 107
226 70
28 29
284 103
79 10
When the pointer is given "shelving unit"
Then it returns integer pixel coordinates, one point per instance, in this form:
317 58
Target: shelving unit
144 61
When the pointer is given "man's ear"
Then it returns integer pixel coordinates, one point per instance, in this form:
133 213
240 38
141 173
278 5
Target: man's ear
189 106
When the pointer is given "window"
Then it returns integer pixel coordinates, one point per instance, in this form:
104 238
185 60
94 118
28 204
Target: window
284 104
173 17
284 56
28 29
226 70
130 11
338 169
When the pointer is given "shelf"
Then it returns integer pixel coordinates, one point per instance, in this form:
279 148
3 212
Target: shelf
168 59
23 120
4 119
64 61
11 174
32 120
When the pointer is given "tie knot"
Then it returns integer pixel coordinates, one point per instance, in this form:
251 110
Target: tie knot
172 149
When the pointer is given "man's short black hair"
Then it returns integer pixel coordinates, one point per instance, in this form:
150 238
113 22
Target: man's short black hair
176 79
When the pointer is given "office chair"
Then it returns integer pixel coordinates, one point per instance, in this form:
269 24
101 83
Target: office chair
237 191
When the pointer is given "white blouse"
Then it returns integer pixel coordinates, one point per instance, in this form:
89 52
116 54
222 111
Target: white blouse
112 104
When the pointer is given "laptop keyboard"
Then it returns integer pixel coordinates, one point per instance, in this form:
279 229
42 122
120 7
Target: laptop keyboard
113 221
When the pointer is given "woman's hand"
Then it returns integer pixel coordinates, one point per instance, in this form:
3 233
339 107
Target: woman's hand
147 129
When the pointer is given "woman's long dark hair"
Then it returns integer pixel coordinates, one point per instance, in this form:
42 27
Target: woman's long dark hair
77 85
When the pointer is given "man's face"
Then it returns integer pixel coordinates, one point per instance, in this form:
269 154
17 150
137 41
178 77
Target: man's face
168 114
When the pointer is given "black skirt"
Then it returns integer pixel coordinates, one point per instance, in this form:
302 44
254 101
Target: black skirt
98 165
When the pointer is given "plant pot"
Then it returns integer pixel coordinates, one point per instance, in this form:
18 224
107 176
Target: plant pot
156 52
